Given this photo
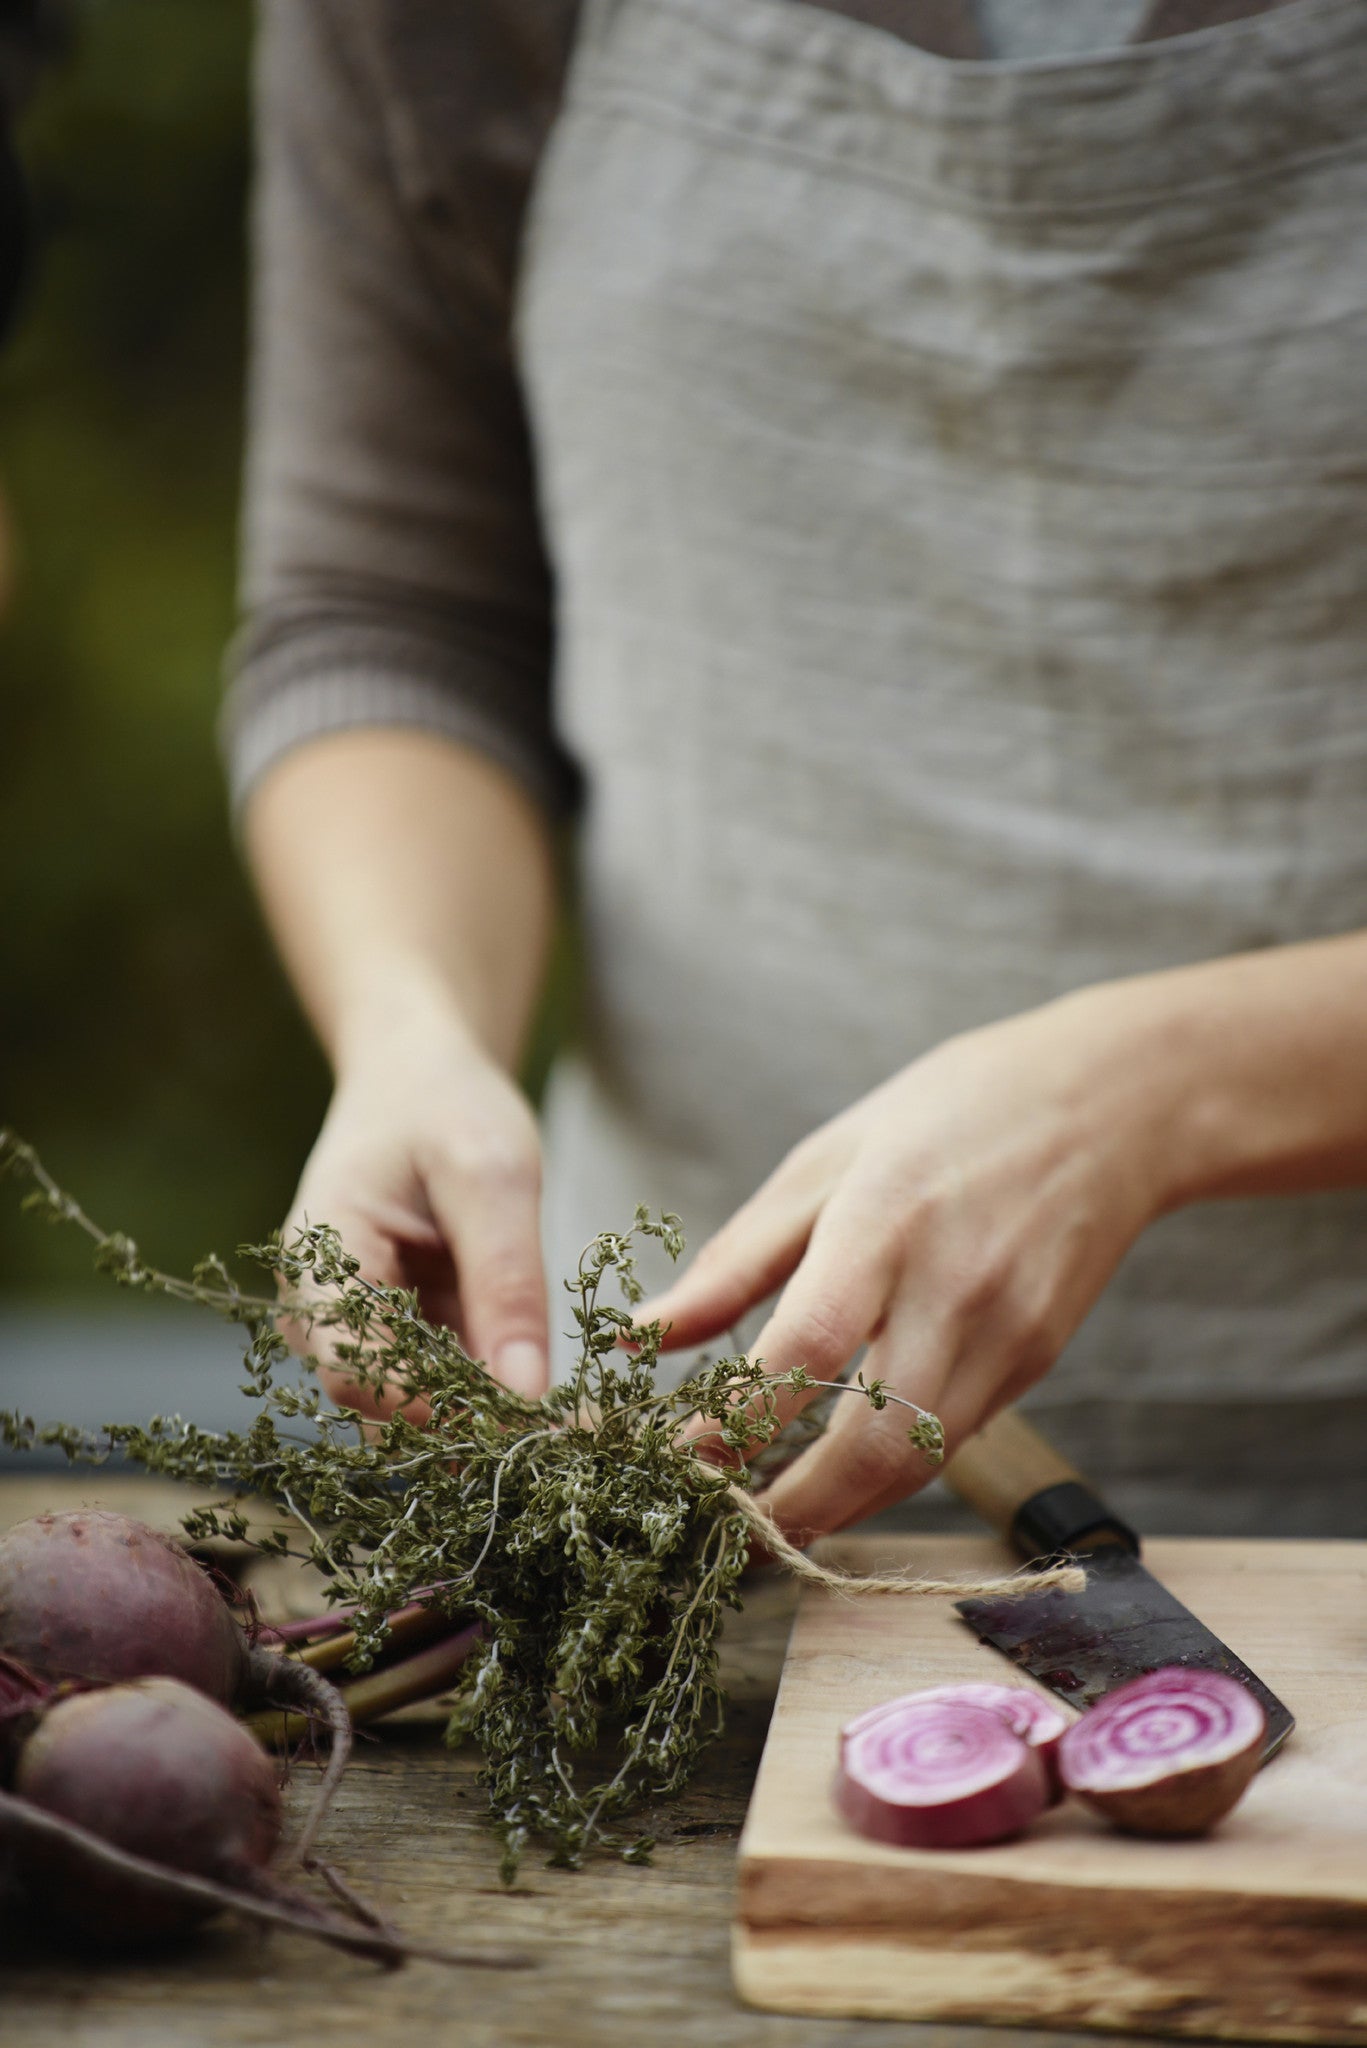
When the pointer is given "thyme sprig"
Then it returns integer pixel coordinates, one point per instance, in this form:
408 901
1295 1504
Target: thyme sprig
598 1554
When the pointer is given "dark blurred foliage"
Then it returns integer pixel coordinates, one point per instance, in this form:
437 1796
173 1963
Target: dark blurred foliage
147 1042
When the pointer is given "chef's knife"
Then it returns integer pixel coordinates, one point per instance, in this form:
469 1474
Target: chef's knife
1123 1623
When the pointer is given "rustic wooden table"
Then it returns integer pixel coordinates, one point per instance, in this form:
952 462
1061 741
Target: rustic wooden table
623 1957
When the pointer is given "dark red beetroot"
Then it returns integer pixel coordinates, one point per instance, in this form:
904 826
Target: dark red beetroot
1167 1754
158 1770
141 1809
1037 1720
91 1594
927 1773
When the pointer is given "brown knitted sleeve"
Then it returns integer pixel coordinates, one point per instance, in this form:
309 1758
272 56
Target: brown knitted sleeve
393 571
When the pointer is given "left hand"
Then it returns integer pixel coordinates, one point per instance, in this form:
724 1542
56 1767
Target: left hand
961 1220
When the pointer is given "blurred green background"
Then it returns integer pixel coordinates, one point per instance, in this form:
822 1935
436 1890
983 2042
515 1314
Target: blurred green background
148 1044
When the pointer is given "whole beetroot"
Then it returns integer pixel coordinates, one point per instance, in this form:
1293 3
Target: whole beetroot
139 1810
92 1595
156 1769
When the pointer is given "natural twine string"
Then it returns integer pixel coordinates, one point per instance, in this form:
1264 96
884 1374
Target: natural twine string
1069 1577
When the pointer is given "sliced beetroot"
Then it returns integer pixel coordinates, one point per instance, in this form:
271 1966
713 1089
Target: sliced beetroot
1166 1754
937 1774
1035 1719
161 1771
93 1595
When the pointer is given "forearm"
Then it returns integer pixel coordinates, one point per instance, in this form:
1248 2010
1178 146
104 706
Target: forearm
402 873
1249 1073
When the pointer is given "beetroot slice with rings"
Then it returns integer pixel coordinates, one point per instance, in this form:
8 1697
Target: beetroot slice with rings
1166 1754
1038 1721
938 1774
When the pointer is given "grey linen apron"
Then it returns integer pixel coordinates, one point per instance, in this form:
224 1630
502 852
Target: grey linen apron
956 477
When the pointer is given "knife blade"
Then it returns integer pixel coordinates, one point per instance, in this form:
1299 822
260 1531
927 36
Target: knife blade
1123 1623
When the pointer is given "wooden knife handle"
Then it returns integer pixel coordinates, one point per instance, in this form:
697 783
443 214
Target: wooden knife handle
1010 1475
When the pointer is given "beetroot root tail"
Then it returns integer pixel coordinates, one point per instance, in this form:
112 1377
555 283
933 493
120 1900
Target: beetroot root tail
265 1902
285 1682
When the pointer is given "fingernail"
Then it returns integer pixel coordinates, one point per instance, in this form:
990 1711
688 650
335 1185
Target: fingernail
521 1365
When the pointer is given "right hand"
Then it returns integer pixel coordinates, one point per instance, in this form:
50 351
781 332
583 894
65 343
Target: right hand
429 1166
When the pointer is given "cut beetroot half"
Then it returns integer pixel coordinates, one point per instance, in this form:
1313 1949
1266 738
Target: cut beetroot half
1037 1720
1166 1754
929 1773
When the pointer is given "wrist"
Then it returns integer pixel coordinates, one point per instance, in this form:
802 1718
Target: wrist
1236 1081
401 999
1139 1056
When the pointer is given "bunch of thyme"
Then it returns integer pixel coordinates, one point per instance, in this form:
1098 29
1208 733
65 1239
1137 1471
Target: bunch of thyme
597 1553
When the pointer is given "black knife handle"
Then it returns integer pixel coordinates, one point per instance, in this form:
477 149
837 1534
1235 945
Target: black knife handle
1068 1516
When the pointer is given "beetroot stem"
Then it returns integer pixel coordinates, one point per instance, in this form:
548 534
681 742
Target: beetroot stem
379 1693
408 1627
318 1626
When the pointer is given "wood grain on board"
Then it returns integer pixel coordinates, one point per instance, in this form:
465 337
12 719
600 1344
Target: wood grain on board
1258 1932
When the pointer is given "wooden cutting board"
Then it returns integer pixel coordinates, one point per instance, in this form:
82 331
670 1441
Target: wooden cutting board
1259 1932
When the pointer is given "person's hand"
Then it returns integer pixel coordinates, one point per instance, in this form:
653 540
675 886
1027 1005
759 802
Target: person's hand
960 1221
428 1164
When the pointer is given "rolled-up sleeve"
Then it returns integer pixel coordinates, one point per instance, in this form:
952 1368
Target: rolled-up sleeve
392 565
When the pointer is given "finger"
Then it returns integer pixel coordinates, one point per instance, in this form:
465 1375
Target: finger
379 1263
833 1303
431 1271
741 1264
962 1372
339 1379
374 1403
910 1479
491 1220
865 1460
304 1335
